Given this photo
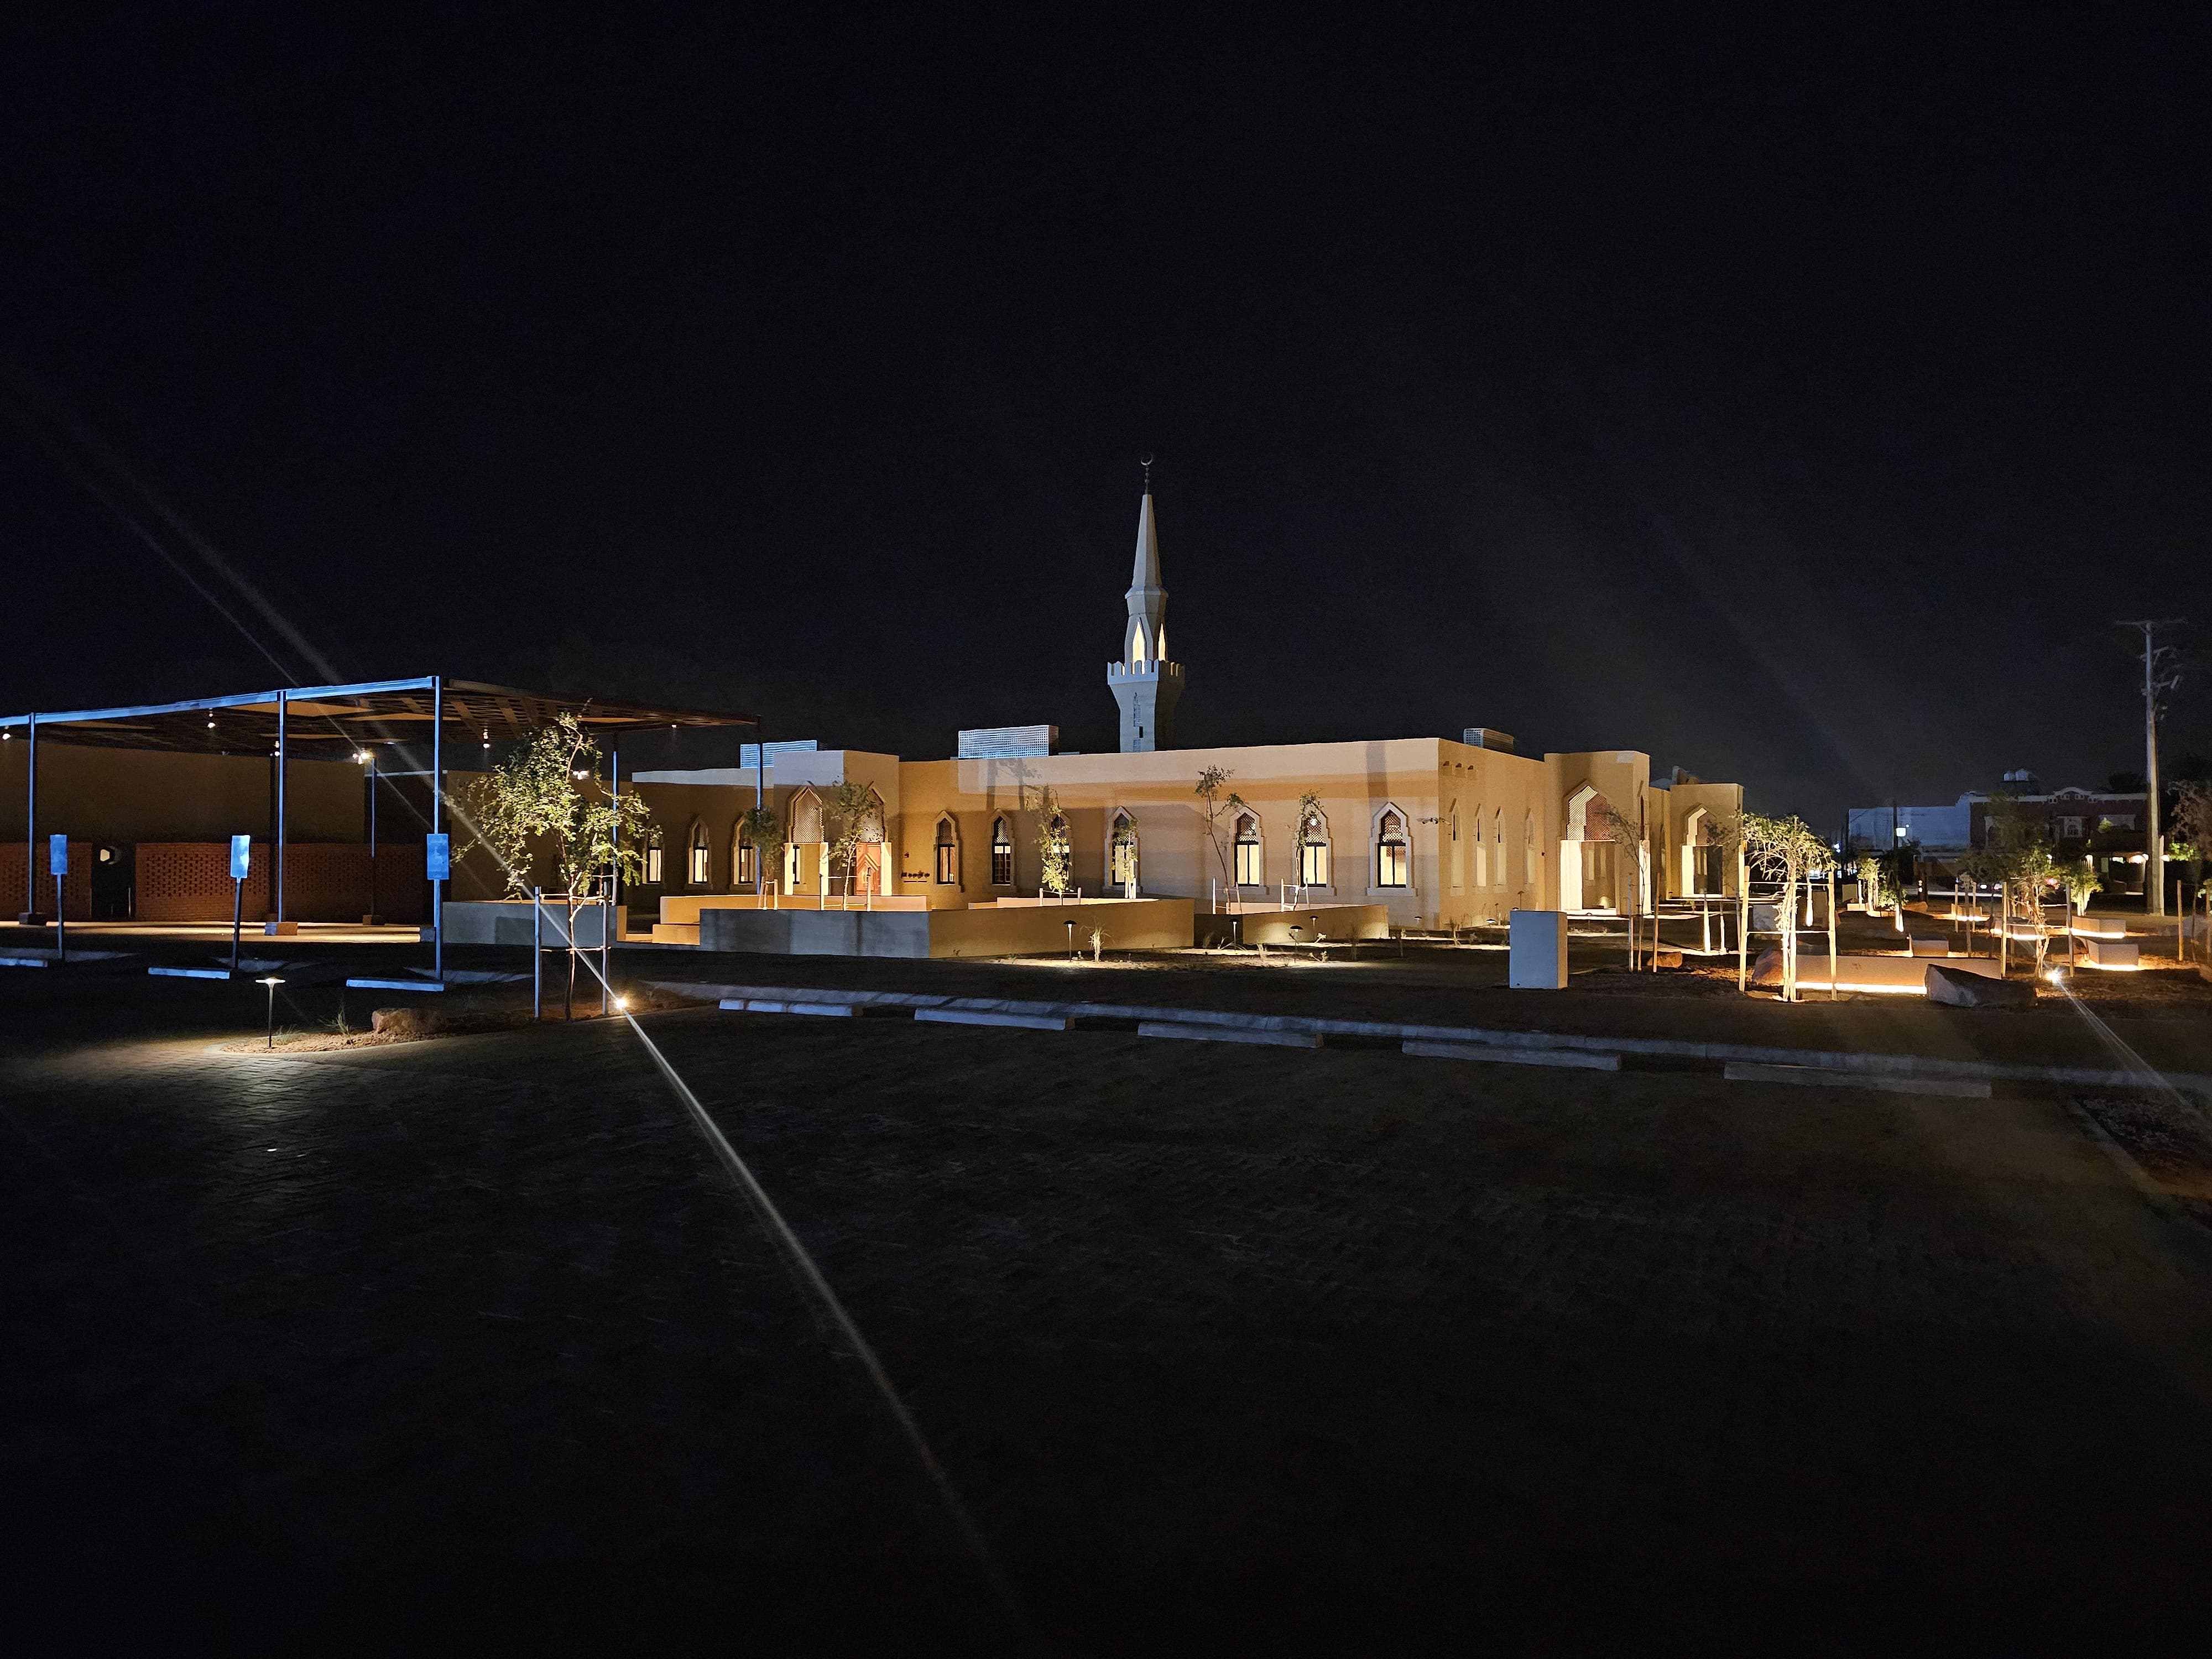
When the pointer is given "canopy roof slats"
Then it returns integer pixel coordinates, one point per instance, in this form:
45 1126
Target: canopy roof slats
332 722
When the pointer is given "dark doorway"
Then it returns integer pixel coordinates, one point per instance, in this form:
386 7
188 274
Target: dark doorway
113 883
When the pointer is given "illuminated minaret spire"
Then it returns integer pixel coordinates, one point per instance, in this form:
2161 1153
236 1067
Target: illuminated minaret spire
1144 682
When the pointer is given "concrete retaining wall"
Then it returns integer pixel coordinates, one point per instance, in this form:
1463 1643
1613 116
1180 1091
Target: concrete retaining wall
983 931
507 921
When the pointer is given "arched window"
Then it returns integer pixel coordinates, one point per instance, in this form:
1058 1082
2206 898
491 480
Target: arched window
653 856
805 818
1458 851
703 856
1160 644
1312 852
1002 855
1247 850
948 852
1529 848
744 858
1482 853
1121 853
1137 646
1393 862
1497 841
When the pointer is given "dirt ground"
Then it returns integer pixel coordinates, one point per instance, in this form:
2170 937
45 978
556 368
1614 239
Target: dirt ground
1221 1348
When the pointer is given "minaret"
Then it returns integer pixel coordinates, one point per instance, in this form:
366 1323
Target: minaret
1144 682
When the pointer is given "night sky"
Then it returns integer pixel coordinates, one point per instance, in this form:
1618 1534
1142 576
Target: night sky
1801 408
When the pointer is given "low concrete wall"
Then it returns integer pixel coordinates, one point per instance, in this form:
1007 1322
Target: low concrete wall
507 921
1313 921
817 933
1903 976
683 909
982 931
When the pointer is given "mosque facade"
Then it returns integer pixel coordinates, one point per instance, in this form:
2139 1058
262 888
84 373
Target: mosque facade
1440 832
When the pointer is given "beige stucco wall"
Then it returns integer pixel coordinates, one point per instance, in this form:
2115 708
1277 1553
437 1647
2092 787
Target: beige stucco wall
123 796
1420 777
1437 784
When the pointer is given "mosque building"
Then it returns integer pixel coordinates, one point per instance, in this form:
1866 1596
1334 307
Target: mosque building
1436 832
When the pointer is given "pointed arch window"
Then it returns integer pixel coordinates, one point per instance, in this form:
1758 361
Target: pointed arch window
744 858
1121 865
1248 851
701 870
1160 644
1392 860
948 852
1529 848
805 818
1312 852
1137 647
653 855
1498 839
1002 853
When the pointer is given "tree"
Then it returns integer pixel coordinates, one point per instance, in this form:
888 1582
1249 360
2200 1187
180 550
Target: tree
759 826
2082 883
1055 854
1627 834
551 786
2192 824
1786 851
1308 820
855 810
1867 868
1120 850
1220 810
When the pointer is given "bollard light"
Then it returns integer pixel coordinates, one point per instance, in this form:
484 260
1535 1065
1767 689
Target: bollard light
272 982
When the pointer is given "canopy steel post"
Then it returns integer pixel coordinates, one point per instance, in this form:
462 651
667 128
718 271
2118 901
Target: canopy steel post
31 823
438 822
280 703
376 907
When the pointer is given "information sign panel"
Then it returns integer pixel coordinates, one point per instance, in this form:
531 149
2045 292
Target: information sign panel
57 855
438 858
241 857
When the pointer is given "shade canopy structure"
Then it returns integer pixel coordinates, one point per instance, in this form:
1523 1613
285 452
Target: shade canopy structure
333 722
336 723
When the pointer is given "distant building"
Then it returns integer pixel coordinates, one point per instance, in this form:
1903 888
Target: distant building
2104 824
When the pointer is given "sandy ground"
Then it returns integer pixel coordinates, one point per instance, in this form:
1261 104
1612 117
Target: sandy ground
1222 1347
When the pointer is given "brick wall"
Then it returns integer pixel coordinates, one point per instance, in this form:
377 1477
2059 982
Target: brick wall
324 881
76 886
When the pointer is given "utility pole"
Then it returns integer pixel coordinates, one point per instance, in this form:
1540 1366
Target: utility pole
2162 673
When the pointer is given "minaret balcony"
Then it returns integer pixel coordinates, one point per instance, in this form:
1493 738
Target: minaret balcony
1151 670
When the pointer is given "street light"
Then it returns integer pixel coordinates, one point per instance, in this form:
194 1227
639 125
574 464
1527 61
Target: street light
272 982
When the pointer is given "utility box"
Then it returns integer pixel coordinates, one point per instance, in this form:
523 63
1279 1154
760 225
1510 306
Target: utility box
1538 959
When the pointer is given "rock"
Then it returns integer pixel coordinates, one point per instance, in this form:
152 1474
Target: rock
1665 958
405 1022
1956 989
1766 972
